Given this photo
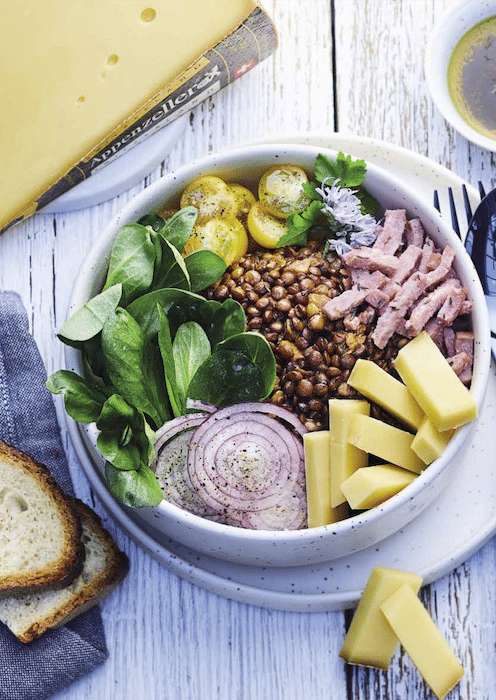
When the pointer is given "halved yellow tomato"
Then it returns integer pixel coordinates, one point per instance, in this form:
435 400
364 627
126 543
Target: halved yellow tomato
281 190
211 196
226 237
264 228
244 199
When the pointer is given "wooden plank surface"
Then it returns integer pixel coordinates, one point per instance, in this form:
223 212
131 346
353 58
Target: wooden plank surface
169 639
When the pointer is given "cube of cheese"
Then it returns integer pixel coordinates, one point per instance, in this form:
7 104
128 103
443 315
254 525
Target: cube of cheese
422 640
434 384
370 640
381 387
345 459
429 443
341 412
318 481
390 444
370 486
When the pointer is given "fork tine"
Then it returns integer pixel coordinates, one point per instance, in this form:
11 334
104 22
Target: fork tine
466 202
482 191
454 216
436 201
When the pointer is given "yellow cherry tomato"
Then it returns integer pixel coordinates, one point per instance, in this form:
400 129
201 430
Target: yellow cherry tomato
211 196
226 237
264 228
281 190
244 199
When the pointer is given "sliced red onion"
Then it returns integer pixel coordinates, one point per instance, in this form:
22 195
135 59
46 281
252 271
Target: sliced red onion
243 460
171 448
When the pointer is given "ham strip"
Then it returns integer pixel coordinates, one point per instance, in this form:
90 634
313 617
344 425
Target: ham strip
390 238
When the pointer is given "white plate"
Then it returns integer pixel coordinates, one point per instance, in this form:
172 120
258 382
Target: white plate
122 173
439 539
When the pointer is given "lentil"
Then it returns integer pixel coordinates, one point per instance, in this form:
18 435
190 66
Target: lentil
282 293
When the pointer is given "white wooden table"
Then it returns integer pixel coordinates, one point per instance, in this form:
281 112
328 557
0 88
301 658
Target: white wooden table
354 66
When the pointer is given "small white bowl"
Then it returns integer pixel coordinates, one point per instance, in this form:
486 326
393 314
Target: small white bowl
300 547
445 36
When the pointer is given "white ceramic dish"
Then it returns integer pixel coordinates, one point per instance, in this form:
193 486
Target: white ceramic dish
446 34
261 548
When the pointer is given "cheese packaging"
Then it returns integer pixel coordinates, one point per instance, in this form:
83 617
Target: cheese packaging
92 78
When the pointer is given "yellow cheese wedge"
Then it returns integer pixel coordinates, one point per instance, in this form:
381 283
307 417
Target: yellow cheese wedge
370 486
434 384
318 481
390 444
345 459
381 387
340 413
76 74
370 640
422 640
429 443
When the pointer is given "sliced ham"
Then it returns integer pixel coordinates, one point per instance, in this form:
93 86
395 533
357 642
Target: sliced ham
414 233
428 306
390 238
339 306
371 259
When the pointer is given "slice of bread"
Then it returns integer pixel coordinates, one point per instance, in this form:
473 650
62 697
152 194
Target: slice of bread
30 615
39 527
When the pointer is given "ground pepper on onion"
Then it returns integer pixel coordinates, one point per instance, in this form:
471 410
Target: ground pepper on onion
235 343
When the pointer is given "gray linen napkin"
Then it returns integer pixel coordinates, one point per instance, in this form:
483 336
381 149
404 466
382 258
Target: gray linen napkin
28 421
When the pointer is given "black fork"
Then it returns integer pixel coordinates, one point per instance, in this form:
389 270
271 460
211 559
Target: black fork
466 203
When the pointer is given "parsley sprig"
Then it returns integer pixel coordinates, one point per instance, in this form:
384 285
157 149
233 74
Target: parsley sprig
350 174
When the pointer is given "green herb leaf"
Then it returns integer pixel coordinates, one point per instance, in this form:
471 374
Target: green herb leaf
135 488
190 349
204 268
132 366
178 228
82 401
299 223
351 173
88 321
172 272
258 350
227 377
132 261
177 398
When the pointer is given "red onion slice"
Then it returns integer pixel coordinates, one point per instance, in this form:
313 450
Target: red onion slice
241 461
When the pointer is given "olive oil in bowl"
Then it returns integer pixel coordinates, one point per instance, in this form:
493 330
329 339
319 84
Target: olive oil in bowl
472 77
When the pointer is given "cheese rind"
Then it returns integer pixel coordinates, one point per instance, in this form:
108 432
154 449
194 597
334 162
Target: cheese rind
390 444
434 384
370 640
318 481
381 387
429 443
422 640
370 486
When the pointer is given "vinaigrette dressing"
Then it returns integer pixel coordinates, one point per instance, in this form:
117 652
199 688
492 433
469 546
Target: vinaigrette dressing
472 77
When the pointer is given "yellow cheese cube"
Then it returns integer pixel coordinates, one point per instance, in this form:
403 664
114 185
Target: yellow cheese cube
422 640
429 443
340 413
434 384
370 486
318 481
381 387
345 459
370 640
391 444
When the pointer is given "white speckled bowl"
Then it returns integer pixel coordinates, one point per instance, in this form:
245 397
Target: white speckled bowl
263 548
444 37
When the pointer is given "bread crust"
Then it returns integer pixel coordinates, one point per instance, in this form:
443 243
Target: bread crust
90 592
70 560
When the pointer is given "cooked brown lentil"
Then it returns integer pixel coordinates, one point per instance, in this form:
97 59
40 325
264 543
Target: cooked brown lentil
282 293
